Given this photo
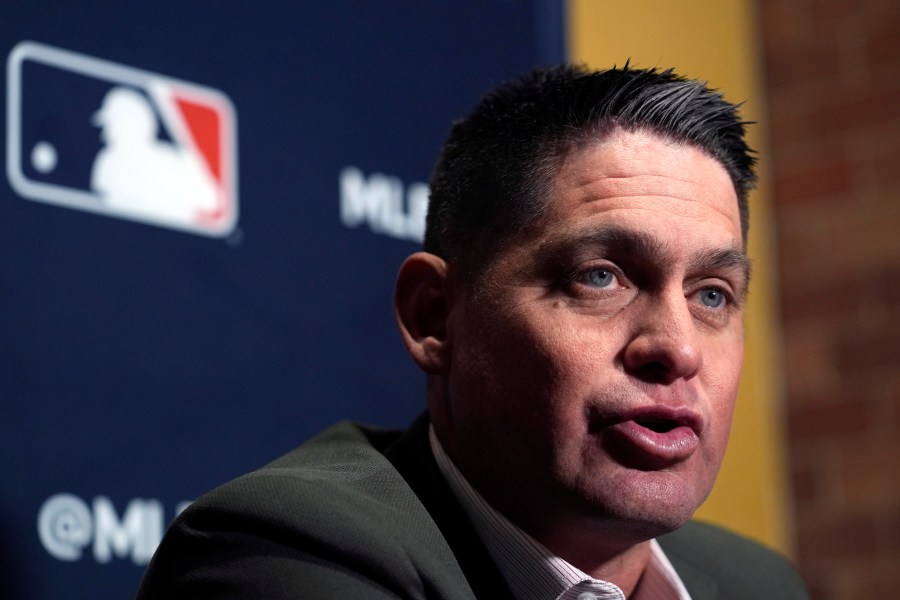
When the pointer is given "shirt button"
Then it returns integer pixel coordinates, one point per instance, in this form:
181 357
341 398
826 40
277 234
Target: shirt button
586 596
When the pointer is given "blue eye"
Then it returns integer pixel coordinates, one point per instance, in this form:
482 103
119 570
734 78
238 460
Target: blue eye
712 298
600 278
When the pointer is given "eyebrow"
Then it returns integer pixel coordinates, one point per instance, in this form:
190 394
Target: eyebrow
644 245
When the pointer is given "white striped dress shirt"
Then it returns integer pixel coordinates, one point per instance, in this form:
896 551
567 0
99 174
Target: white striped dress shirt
531 570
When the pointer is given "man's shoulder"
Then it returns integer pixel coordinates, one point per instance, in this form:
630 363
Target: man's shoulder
336 488
331 515
341 468
724 564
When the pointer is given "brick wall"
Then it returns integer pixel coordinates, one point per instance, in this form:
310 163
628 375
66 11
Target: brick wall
833 92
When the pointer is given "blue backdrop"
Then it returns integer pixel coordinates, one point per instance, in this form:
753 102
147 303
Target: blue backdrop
147 356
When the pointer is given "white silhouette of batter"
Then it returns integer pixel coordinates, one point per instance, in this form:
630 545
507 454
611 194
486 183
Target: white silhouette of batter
135 172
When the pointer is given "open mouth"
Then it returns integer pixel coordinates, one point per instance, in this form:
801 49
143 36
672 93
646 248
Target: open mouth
657 424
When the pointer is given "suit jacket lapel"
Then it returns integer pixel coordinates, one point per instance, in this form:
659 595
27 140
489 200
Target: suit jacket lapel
412 457
700 585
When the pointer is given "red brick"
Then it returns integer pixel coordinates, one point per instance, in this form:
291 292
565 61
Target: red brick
808 363
830 179
813 478
796 258
869 480
834 110
794 51
877 577
831 14
863 235
893 399
841 537
818 585
877 390
802 64
890 527
833 420
837 295
883 43
784 25
858 107
884 47
886 170
821 114
840 295
805 486
789 120
881 153
862 351
843 261
892 284
880 583
800 241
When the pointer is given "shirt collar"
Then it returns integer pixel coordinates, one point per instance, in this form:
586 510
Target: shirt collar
531 570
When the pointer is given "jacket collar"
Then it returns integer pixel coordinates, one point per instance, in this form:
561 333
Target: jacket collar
412 457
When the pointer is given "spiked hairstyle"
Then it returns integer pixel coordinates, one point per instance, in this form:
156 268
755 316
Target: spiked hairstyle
494 173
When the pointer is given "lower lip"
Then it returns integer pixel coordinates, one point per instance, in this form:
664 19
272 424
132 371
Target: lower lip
637 446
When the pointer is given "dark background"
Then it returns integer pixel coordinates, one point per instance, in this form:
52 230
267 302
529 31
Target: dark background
141 366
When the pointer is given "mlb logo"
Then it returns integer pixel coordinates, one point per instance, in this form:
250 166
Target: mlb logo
102 137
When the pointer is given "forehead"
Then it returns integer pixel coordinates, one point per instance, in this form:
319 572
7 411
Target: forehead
643 181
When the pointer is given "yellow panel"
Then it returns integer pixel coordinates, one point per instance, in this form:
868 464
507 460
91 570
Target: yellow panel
715 40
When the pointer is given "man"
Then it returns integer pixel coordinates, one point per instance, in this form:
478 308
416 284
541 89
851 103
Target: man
578 313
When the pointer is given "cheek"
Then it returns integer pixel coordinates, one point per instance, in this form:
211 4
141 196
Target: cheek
576 370
528 371
496 361
722 388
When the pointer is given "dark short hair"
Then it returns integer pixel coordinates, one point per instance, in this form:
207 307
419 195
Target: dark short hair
495 170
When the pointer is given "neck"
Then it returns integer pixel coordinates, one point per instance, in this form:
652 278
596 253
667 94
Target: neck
621 567
591 553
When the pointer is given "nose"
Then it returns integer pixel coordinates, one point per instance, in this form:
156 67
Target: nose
664 344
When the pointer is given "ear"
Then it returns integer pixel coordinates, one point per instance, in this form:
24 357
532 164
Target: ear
422 306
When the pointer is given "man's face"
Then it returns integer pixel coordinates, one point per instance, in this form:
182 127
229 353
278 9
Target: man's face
592 379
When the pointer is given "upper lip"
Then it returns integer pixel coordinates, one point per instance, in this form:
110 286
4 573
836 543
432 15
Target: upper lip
676 415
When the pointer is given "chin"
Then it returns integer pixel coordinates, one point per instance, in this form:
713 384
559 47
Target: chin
643 507
629 526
